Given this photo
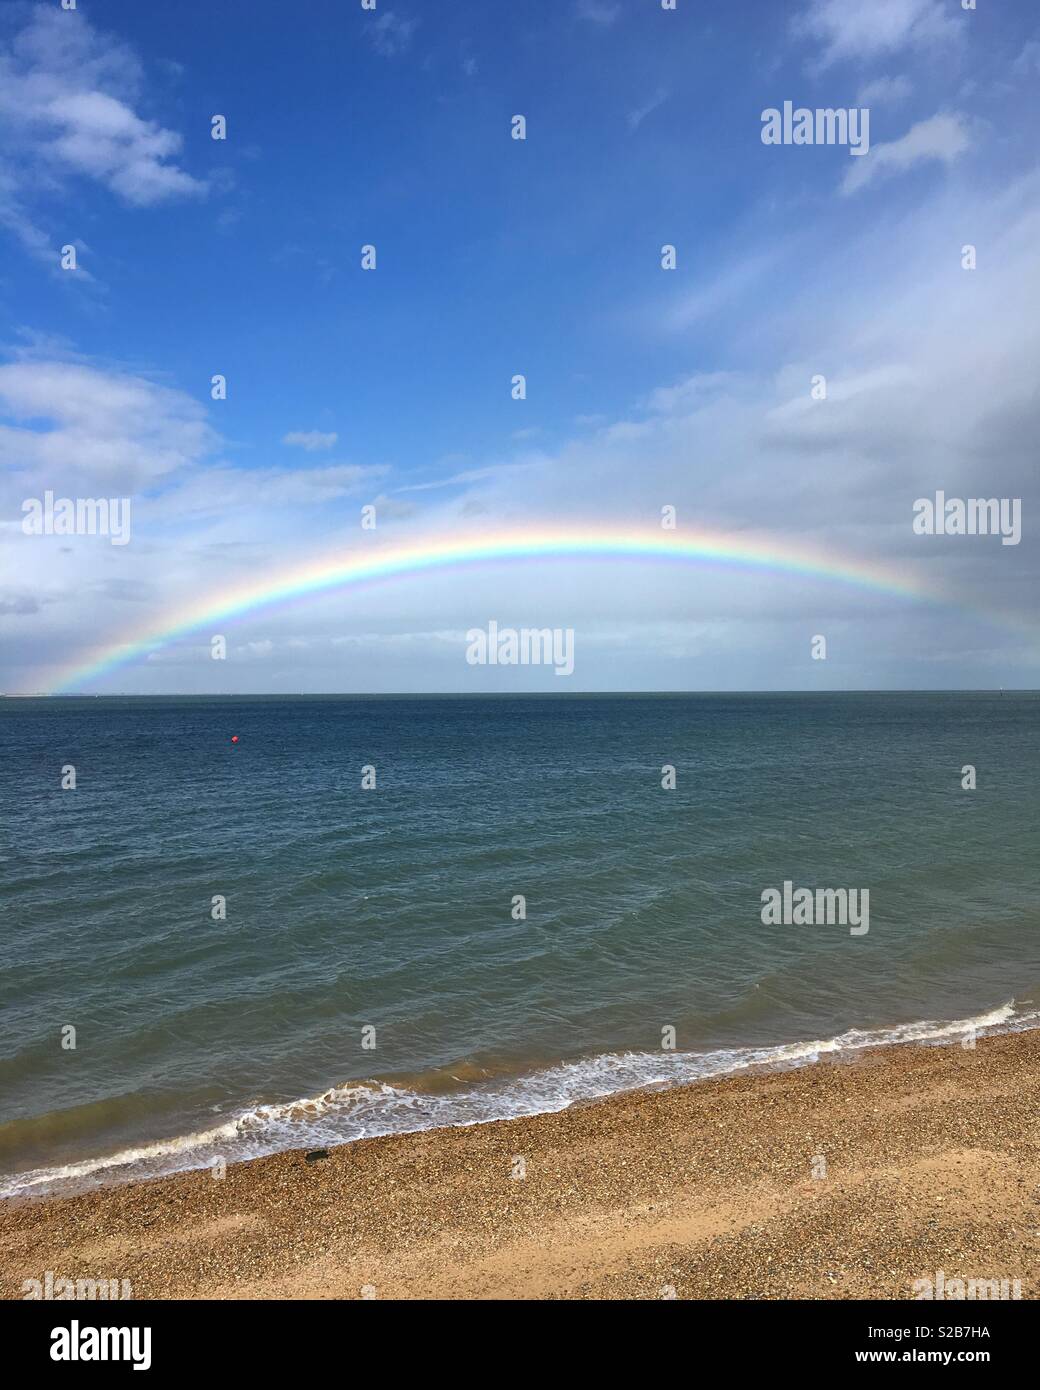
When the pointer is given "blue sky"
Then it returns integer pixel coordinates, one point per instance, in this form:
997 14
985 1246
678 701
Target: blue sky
498 256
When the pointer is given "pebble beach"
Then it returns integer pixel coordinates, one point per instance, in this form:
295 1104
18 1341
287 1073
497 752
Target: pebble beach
848 1179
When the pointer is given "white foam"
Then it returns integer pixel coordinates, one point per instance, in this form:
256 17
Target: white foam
362 1110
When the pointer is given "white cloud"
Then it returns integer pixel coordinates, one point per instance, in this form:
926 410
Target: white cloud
639 115
234 495
928 386
390 34
599 11
721 290
86 430
456 479
97 135
940 137
851 29
688 394
885 91
311 440
16 219
1028 61
79 429
105 430
67 109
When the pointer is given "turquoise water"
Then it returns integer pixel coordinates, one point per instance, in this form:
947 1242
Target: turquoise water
391 909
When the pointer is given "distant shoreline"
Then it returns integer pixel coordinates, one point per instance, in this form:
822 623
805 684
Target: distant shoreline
848 1179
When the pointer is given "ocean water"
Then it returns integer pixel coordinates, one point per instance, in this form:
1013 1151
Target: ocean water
386 915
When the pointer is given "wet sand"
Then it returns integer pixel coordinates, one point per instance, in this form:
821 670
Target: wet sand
848 1179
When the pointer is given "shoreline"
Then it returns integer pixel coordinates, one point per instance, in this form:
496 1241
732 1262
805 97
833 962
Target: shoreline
926 1158
374 1108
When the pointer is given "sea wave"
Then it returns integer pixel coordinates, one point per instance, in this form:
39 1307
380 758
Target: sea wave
366 1109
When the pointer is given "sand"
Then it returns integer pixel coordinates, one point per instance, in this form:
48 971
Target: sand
931 1159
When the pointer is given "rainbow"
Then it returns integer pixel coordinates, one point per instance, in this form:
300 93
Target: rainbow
365 564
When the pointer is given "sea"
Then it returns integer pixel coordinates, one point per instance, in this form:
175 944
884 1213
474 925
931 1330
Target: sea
260 923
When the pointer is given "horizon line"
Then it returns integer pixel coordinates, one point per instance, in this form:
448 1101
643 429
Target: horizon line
514 694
